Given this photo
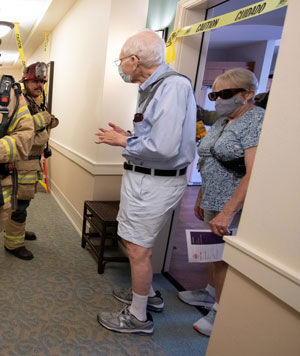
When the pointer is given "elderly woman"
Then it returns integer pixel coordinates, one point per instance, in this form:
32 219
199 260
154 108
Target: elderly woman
227 154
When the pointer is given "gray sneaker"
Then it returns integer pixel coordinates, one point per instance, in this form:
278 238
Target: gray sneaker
199 297
124 295
125 322
205 324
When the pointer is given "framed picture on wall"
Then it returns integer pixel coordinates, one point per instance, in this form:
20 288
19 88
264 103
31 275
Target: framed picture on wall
49 90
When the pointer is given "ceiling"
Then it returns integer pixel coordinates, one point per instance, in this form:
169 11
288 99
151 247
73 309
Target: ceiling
35 17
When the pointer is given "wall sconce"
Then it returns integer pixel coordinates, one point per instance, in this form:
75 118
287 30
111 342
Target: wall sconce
5 27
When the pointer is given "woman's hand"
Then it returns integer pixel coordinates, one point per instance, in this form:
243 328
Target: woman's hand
199 213
219 225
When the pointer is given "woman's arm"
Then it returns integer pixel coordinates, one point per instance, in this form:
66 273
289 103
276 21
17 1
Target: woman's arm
197 210
219 225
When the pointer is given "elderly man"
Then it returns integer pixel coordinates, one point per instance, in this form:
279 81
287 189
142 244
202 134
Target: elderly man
157 153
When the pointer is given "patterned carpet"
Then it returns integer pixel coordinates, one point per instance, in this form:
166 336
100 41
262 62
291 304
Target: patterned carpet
49 305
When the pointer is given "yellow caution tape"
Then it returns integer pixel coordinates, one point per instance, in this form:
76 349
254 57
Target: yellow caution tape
242 14
19 44
46 41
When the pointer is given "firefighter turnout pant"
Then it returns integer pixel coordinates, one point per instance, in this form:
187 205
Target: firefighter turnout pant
14 236
4 214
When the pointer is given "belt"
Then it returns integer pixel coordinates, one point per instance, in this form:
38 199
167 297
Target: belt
155 172
34 157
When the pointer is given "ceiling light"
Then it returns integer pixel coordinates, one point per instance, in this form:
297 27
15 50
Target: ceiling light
5 27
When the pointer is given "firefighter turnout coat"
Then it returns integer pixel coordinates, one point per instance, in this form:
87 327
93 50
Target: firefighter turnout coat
31 170
16 144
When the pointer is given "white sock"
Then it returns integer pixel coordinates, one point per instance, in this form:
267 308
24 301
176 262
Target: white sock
151 292
211 290
215 306
138 307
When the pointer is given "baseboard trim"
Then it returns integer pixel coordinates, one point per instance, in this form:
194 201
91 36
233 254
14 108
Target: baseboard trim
271 274
71 213
97 169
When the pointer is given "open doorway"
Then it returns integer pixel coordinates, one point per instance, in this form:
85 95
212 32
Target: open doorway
252 44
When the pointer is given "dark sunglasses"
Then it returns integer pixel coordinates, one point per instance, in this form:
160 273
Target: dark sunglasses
224 94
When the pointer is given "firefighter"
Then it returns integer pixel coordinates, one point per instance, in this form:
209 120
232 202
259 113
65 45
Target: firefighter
30 171
16 133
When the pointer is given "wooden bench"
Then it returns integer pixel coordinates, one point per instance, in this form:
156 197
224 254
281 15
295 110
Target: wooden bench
101 218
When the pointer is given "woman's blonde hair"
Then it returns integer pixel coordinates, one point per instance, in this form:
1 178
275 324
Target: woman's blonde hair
238 78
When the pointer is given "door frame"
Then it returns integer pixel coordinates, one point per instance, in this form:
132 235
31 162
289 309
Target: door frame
188 12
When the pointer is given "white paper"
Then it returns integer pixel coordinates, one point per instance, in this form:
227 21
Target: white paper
204 246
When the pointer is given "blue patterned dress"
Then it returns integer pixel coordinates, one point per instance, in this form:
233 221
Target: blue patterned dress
218 183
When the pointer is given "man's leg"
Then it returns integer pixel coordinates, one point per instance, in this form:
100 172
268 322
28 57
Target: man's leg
134 319
5 211
15 232
141 277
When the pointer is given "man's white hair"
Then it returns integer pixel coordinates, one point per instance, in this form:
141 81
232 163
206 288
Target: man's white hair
147 46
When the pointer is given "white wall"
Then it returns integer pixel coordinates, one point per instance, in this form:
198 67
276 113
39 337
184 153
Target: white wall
16 73
268 244
259 52
88 91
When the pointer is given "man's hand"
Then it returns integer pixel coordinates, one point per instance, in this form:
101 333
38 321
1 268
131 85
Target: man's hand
111 137
54 122
118 129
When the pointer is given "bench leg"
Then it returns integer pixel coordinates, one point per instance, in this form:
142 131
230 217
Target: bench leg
100 267
101 253
83 241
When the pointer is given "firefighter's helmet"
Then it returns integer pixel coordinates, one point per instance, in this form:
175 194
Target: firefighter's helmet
36 71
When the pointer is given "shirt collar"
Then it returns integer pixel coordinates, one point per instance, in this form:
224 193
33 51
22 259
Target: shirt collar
164 67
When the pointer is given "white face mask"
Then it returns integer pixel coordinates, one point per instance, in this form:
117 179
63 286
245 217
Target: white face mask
225 107
125 77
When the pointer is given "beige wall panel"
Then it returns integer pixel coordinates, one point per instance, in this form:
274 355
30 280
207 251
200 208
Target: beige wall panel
75 183
107 188
252 322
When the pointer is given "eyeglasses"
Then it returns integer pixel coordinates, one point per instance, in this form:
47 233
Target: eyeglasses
224 94
119 61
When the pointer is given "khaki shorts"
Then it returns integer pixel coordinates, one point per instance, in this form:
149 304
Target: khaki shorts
146 204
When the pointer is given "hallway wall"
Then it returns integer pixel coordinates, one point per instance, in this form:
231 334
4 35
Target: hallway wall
88 93
259 311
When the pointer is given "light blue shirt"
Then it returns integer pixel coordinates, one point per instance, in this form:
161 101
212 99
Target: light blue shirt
165 139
